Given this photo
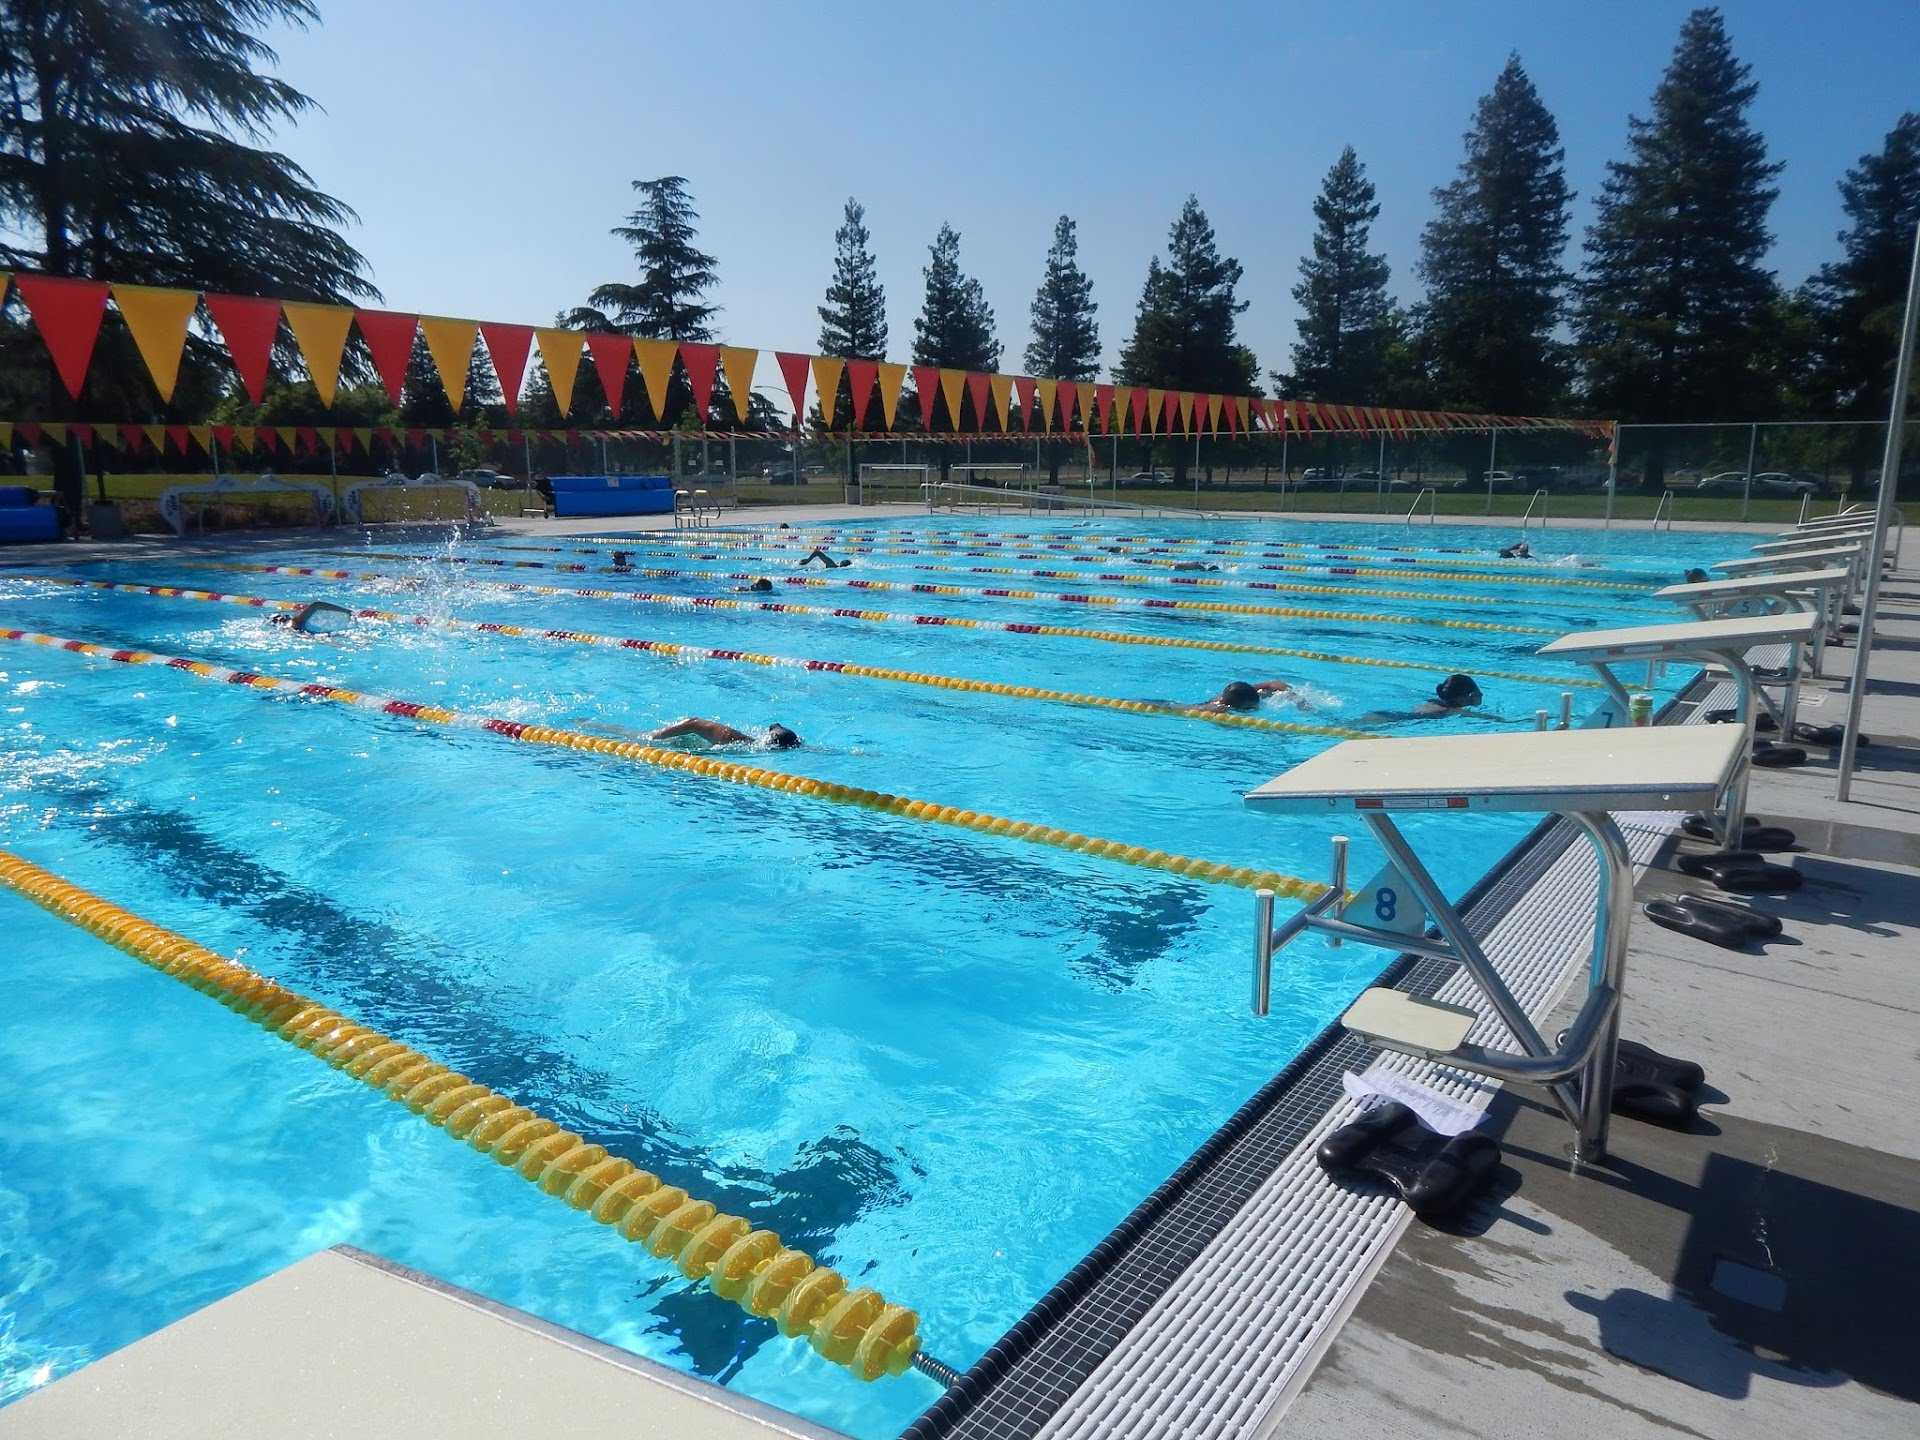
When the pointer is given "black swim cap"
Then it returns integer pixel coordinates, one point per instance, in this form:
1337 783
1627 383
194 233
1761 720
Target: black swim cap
781 738
762 584
1696 577
1239 695
1458 690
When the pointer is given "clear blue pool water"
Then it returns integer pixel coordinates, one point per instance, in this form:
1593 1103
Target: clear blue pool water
946 1063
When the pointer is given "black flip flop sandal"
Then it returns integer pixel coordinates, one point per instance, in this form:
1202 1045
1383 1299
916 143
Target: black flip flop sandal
1433 1175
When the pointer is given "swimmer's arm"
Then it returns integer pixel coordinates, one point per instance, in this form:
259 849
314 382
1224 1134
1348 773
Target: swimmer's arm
712 731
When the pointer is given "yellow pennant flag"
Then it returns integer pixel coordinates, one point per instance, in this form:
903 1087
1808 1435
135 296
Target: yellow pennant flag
1214 402
450 342
321 333
826 380
1117 412
327 434
1246 420
952 384
892 377
656 369
1186 411
364 434
158 320
1002 387
1155 398
243 434
156 437
1046 388
55 431
738 362
202 436
6 279
560 353
6 426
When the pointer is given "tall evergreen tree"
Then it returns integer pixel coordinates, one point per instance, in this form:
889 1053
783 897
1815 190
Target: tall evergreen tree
1344 323
1858 300
1491 258
955 324
853 322
1671 305
668 302
1184 332
124 154
1066 337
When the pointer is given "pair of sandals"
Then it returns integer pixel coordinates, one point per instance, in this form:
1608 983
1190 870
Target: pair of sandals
1753 835
1435 1175
1656 1088
1732 927
1765 752
1746 872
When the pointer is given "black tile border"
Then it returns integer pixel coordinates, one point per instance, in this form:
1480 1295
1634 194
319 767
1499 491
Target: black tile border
1027 1375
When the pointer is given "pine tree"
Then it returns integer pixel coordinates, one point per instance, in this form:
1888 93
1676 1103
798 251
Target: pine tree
853 322
1066 337
1672 304
955 325
1184 334
1858 300
667 303
1491 259
1344 323
119 157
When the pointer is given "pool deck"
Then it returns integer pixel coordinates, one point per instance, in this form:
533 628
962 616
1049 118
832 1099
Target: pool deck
1753 1278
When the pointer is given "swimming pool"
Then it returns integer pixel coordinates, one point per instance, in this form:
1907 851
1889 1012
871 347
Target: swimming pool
947 1062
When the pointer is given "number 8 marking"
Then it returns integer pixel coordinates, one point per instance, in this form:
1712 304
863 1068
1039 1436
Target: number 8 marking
1386 905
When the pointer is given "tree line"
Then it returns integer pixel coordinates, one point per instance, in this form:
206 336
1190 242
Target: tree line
127 156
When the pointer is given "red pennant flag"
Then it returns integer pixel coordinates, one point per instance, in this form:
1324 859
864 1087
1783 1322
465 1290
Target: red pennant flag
1139 408
68 314
29 431
307 438
1102 405
416 436
926 384
793 369
250 327
132 437
861 378
611 354
389 338
223 434
80 431
1023 389
980 390
1068 391
509 346
700 361
177 435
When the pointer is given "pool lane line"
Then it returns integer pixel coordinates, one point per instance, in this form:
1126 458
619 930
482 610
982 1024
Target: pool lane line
672 651
965 592
950 622
758 777
855 1328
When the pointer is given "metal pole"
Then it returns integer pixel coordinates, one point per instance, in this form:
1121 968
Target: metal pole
1284 477
1380 477
1746 490
1113 465
1493 448
1889 482
1613 473
333 480
433 450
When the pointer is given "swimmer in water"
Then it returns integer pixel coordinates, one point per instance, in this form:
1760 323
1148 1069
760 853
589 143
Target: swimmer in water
1697 577
758 587
314 618
1455 695
825 559
1519 550
1242 695
778 737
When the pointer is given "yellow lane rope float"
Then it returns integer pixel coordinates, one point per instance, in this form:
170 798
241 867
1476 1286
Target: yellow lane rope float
671 651
708 767
950 622
855 1328
1215 607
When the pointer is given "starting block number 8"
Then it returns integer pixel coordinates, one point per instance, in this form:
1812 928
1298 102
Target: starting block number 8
1386 905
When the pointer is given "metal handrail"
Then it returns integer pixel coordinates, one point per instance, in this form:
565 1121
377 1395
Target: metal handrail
955 494
1432 498
1665 507
1540 499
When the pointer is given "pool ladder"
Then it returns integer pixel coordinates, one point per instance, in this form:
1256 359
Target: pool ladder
1431 496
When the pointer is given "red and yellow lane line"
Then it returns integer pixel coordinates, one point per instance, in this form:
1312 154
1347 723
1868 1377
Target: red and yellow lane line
1214 607
752 1268
671 651
950 622
706 766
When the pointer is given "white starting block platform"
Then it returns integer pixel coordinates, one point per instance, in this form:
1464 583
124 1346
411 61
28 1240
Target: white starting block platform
1585 775
1814 592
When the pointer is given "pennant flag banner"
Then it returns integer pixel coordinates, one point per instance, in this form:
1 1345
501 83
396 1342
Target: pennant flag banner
980 394
1186 411
610 356
249 327
389 338
701 362
1068 393
68 314
1213 412
450 343
655 358
738 363
861 376
1045 388
953 384
793 370
560 353
892 377
926 379
1102 407
508 346
1023 390
826 383
156 436
1001 387
157 320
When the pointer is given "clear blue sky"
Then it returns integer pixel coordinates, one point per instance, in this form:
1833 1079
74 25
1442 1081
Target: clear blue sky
488 146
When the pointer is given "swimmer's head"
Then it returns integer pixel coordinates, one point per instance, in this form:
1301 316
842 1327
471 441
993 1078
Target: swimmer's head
761 586
1239 695
281 619
1456 692
1696 577
781 738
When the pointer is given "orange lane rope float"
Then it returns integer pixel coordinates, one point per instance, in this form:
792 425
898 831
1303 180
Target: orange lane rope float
669 650
962 622
709 767
1141 602
857 1328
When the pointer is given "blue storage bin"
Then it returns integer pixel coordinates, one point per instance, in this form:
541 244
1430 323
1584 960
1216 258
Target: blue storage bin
612 494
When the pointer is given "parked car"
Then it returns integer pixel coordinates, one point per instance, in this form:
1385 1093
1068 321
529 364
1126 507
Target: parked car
780 475
1727 482
1778 484
488 479
1149 477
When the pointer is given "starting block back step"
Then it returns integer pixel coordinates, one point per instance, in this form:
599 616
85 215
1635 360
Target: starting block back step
1406 1022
